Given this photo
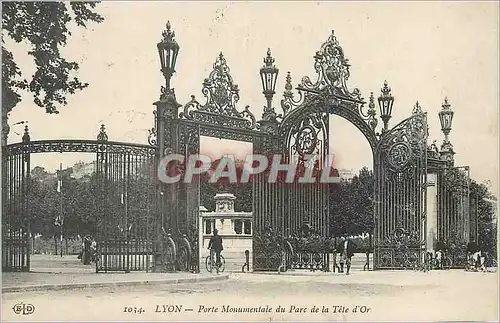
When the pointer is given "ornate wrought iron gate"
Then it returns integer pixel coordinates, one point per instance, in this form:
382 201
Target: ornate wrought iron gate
400 194
456 220
15 207
127 211
125 201
142 223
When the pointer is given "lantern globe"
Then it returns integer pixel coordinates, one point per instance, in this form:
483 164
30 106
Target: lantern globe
168 49
446 117
269 75
385 103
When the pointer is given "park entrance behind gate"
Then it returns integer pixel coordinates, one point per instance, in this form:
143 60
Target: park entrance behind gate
145 224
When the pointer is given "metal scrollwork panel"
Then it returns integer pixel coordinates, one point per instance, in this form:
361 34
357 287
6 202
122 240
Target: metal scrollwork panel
399 155
405 144
332 70
222 95
80 146
400 161
307 136
330 93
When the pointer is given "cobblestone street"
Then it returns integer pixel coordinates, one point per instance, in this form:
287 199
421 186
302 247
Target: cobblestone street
446 295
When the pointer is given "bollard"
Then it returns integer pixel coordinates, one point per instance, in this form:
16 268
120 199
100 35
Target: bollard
247 262
367 264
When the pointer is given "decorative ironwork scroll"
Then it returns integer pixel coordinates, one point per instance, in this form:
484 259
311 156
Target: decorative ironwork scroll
332 69
222 95
188 196
310 250
78 146
268 246
329 93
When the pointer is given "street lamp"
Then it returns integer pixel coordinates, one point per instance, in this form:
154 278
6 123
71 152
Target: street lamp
385 103
268 76
446 119
168 50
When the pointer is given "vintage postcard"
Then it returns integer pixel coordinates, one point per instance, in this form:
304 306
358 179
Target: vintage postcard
250 161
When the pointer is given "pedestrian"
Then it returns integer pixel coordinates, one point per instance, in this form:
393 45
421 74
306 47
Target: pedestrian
86 251
347 251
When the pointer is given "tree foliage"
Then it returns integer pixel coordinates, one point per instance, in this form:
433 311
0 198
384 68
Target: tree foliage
487 227
242 191
76 204
351 208
45 27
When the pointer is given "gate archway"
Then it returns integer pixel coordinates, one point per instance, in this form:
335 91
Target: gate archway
399 154
282 211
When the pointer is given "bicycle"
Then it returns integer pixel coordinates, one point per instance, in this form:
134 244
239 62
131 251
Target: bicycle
210 263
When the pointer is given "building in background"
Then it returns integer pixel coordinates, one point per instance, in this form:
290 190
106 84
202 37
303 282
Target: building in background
346 174
234 227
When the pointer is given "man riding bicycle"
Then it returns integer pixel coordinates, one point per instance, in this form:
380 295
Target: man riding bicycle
215 245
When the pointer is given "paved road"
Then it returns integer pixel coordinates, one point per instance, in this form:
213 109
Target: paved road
447 295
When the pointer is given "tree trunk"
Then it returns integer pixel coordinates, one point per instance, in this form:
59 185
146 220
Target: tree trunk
5 127
9 101
33 244
66 242
55 243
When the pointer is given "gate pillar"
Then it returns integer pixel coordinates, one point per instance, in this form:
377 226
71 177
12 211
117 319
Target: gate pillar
167 194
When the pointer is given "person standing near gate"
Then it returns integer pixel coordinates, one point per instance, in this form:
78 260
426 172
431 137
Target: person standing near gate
347 251
215 244
86 251
473 253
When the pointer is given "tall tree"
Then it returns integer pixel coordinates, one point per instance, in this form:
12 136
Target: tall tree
483 202
45 27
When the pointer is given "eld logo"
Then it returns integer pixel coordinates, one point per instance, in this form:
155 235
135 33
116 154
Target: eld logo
23 309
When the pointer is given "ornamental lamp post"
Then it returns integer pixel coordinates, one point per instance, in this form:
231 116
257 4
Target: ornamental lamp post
268 76
446 119
168 49
385 103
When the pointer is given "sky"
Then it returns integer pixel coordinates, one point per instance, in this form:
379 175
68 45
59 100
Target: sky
425 50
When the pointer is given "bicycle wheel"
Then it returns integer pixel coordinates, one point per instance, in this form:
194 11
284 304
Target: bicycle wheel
208 264
222 264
